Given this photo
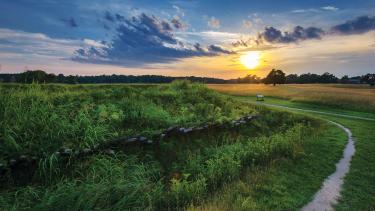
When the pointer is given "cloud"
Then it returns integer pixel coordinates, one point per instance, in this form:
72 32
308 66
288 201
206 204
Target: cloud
358 25
27 44
70 22
299 33
177 23
219 49
142 40
108 16
305 10
330 8
179 10
247 24
214 23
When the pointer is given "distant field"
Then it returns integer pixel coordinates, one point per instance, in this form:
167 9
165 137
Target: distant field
352 97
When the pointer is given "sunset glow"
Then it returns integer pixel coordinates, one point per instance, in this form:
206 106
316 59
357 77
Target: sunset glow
251 59
178 38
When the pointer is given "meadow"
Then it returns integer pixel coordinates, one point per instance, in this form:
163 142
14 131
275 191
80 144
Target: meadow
177 173
350 97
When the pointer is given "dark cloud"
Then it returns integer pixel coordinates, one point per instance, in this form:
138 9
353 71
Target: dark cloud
218 49
142 40
359 25
299 33
109 17
177 23
70 22
119 17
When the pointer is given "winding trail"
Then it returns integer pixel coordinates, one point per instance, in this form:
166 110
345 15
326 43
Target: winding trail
329 193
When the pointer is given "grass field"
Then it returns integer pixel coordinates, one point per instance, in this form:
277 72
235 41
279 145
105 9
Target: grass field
348 97
277 161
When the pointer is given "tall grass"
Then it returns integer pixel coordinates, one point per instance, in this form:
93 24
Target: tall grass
38 119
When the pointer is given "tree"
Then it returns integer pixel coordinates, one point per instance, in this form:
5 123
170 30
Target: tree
275 77
369 79
327 78
291 79
30 76
249 79
344 79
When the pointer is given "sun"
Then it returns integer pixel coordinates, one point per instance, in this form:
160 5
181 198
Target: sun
250 59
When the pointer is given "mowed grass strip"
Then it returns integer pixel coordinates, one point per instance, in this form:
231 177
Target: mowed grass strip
284 184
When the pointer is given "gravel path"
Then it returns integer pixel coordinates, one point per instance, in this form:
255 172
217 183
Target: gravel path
328 194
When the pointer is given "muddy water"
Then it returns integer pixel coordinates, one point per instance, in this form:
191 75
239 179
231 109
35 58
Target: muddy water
329 193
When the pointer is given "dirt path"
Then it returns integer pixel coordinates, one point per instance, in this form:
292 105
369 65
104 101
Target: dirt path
329 193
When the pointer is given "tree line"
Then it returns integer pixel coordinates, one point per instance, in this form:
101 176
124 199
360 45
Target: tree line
274 77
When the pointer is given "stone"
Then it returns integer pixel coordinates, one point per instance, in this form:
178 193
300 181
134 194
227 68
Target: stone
130 140
66 152
181 129
170 129
23 158
86 151
142 139
109 152
12 162
187 130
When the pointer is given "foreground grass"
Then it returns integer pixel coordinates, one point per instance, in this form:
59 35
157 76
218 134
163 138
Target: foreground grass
359 185
285 184
348 97
39 119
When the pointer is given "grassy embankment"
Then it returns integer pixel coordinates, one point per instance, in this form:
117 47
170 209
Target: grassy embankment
359 185
39 119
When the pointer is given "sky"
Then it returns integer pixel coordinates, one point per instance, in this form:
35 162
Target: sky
216 38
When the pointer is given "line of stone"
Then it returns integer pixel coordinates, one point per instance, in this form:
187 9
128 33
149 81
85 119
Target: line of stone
31 162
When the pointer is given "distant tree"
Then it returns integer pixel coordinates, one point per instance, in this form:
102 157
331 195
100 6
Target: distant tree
51 78
344 79
368 79
328 78
60 78
71 79
30 76
249 79
275 77
291 79
308 78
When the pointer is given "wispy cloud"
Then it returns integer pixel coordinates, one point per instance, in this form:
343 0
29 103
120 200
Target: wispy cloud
247 24
214 23
330 8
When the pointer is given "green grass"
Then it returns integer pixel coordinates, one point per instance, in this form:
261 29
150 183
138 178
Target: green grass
285 184
39 119
359 185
